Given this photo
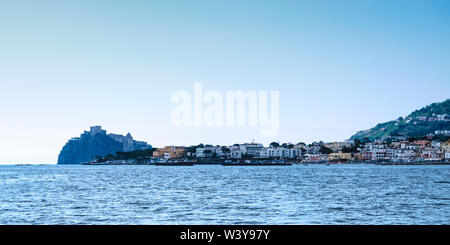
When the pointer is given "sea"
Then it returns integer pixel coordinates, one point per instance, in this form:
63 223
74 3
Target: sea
344 194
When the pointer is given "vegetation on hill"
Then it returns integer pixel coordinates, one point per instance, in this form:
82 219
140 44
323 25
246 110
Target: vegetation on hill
130 155
435 108
419 123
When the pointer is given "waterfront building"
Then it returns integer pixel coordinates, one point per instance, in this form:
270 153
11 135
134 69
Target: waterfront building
251 149
403 155
315 157
280 152
169 152
235 152
264 154
430 154
377 154
412 147
340 156
209 151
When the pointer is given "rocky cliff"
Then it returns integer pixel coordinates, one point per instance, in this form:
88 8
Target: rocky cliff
97 142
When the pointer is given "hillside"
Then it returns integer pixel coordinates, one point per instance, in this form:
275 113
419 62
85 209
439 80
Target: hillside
421 122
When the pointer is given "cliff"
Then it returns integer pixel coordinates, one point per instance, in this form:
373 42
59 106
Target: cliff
97 142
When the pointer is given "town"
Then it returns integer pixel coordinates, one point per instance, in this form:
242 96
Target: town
431 149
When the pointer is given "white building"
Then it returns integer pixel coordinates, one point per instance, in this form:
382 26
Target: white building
280 152
235 152
442 132
315 157
375 146
429 154
436 144
251 149
208 151
413 147
403 155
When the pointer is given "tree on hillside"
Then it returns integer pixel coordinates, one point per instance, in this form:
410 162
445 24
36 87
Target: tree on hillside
274 144
325 150
350 149
226 150
208 153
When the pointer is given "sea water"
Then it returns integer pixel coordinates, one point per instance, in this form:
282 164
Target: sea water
208 194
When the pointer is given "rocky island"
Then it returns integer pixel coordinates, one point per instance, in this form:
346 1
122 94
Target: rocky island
97 142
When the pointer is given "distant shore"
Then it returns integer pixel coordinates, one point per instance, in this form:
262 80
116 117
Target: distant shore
287 163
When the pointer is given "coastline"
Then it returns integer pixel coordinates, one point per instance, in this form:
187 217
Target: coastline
287 163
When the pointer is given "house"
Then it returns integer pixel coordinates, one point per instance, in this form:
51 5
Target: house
280 152
447 155
413 147
235 152
429 154
169 152
436 144
422 143
378 154
251 149
396 145
340 156
315 157
403 155
208 151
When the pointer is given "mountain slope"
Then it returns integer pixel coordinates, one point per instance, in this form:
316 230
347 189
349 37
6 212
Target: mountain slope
419 123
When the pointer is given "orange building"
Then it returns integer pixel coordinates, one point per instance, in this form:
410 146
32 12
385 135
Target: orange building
340 156
422 143
169 152
446 146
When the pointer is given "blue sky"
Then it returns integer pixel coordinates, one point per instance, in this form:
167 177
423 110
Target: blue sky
340 66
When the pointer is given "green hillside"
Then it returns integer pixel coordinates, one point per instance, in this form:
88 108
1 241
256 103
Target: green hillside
419 123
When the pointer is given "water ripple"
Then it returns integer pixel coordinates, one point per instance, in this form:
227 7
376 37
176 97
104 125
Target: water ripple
313 194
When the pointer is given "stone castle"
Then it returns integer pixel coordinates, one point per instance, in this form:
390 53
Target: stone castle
97 142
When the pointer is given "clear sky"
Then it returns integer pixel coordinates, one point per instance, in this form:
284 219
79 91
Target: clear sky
340 66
